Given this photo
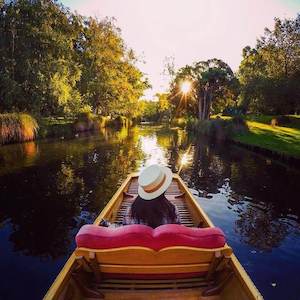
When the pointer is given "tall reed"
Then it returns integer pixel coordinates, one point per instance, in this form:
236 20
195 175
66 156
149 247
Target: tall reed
17 127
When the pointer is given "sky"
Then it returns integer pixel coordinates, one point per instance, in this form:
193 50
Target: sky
188 30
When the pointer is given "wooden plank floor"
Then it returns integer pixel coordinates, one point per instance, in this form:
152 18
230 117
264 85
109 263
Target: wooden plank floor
172 194
186 294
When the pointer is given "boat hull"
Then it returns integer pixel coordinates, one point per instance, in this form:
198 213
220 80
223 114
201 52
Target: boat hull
234 283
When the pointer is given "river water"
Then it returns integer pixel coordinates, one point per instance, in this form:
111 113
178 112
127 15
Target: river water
48 189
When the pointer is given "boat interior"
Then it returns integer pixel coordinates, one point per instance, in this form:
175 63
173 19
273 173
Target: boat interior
140 273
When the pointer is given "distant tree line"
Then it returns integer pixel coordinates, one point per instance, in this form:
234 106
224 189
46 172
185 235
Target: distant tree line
156 111
267 82
55 62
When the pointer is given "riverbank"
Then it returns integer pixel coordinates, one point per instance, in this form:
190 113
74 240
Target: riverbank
21 127
56 127
284 141
257 133
290 121
69 127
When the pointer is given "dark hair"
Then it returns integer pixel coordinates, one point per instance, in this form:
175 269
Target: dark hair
153 212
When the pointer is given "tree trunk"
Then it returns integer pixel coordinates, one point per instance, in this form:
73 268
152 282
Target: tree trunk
204 104
208 106
199 106
13 35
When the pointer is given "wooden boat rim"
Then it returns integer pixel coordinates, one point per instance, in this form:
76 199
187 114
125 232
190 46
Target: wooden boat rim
239 271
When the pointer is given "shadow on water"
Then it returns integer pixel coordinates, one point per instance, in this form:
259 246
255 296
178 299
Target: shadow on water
50 188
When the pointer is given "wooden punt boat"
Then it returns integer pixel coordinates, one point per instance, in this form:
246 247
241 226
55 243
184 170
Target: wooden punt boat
224 277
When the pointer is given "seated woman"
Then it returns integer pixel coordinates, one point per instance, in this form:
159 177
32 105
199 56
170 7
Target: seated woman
151 207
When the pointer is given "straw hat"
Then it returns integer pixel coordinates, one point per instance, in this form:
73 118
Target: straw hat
154 181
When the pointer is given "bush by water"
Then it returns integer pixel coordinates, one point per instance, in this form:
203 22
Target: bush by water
17 127
218 128
87 121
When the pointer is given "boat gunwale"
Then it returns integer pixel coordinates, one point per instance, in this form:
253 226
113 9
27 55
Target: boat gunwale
239 271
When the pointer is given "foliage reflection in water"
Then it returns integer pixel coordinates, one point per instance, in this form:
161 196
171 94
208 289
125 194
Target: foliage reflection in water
51 188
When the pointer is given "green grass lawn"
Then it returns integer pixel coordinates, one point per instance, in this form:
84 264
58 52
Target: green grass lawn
294 120
266 119
283 140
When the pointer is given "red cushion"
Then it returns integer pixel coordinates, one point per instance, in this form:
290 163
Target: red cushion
98 237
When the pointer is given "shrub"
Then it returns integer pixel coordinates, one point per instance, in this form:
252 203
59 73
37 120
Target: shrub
84 122
219 129
56 127
86 109
17 127
237 125
56 130
119 122
85 117
192 124
180 122
232 111
101 122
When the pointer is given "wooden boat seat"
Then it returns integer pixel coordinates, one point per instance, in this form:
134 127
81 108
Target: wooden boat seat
169 251
140 268
142 260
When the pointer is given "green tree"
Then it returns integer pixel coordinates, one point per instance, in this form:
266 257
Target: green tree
212 82
55 62
110 82
163 105
37 69
270 72
150 110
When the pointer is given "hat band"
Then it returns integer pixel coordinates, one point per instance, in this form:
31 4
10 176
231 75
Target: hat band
159 185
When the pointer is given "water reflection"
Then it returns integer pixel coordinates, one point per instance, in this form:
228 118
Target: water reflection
257 226
30 150
67 182
62 185
55 196
153 153
261 194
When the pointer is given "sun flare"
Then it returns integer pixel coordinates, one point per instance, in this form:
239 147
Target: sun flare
185 87
184 159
